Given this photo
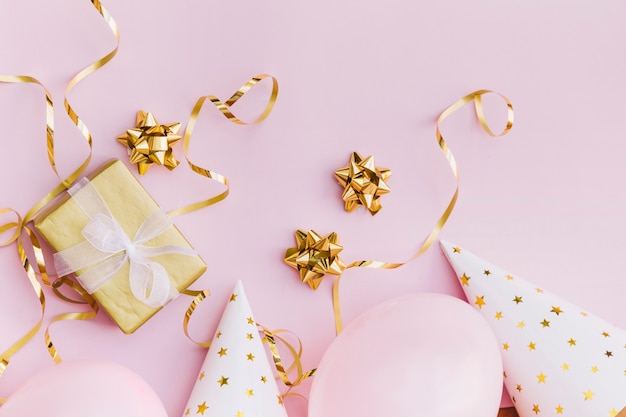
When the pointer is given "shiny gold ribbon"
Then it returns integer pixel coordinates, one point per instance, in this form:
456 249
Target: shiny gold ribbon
476 97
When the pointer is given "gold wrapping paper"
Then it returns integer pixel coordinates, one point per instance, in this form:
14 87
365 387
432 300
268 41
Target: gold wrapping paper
61 224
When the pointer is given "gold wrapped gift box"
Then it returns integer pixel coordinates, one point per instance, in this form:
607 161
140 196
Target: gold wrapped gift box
61 224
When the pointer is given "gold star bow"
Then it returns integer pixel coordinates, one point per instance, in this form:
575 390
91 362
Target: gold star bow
363 183
315 257
151 143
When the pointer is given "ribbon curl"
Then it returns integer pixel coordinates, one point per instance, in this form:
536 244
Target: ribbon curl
107 249
476 97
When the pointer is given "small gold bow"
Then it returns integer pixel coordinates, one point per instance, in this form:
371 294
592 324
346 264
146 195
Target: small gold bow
363 183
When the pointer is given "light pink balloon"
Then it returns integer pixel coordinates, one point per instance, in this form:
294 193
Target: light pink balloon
422 355
85 388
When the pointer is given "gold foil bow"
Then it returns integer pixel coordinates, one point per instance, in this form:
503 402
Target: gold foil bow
311 267
363 183
315 256
151 143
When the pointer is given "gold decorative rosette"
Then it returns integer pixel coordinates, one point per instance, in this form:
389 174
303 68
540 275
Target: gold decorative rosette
363 183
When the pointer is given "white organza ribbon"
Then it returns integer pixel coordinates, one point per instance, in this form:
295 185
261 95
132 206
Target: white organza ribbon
107 248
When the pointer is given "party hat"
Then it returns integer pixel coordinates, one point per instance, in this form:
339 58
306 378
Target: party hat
236 379
558 359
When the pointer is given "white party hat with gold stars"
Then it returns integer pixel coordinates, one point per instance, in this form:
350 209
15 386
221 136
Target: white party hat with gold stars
236 379
558 359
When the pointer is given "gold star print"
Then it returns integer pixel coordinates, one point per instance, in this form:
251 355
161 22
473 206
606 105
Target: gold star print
150 143
280 399
233 297
559 409
589 395
582 313
363 183
240 414
594 369
521 324
187 411
480 301
202 408
465 279
504 374
222 381
218 335
456 249
250 357
608 353
250 321
556 310
572 342
498 315
249 336
222 352
505 346
612 412
519 388
606 334
509 277
565 366
250 393
518 299
541 378
264 379
201 377
545 323
531 346
539 290
487 272
536 408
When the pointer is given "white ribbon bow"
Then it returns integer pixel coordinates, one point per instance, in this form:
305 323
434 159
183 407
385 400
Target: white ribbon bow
107 248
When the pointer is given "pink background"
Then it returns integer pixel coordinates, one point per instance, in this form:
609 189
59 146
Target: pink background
546 201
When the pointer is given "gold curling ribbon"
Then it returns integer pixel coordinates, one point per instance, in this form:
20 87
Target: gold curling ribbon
476 97
270 337
21 225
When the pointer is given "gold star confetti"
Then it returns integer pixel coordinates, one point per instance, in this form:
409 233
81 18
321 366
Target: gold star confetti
531 346
264 379
589 395
465 279
518 299
363 183
233 297
521 324
250 392
572 342
606 334
150 143
249 336
315 256
565 366
545 323
480 301
250 357
559 409
498 315
202 408
505 346
222 352
556 310
608 353
223 381
541 378
201 377
456 249
509 277
536 408
594 369
487 272
250 320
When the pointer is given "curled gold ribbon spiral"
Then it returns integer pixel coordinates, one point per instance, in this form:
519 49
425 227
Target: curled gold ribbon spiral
21 225
476 97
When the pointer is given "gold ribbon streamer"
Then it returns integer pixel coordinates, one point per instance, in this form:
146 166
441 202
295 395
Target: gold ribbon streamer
270 338
225 109
476 97
21 224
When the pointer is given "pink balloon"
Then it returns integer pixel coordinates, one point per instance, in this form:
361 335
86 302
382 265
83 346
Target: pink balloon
422 355
79 389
